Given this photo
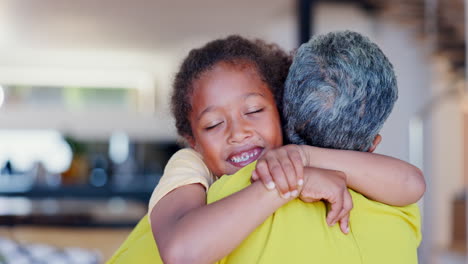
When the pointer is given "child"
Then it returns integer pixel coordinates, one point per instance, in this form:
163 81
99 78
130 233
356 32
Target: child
225 107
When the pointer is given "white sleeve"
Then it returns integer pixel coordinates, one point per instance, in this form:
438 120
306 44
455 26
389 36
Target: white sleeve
183 168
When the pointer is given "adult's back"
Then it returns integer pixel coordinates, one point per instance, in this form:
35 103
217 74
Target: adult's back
298 232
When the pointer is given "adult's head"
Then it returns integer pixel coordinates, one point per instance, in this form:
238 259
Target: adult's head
340 90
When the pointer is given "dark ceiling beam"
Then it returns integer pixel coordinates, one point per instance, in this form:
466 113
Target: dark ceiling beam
305 21
305 13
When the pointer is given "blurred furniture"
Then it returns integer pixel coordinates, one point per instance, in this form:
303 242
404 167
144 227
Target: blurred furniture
103 241
459 224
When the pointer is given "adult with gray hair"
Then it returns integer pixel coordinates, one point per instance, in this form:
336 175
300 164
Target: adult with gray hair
340 90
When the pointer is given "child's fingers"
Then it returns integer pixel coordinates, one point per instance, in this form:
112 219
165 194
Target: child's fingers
344 224
347 201
341 215
344 215
278 176
254 176
347 205
296 160
336 206
264 175
289 171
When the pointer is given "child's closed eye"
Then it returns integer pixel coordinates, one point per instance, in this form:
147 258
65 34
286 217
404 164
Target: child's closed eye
210 127
254 111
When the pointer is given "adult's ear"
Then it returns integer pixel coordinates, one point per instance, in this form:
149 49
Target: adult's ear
375 143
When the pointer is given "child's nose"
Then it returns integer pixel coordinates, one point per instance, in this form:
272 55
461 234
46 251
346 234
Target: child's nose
239 131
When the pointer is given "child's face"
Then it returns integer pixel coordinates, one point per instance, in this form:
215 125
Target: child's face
234 118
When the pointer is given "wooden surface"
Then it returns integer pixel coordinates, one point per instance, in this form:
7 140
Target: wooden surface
106 241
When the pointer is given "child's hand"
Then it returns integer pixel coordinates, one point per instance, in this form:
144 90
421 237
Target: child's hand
281 168
329 185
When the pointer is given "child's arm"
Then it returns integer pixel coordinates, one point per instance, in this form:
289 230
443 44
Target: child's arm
381 178
189 231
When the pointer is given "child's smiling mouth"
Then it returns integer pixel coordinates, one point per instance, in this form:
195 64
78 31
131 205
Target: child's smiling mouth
243 158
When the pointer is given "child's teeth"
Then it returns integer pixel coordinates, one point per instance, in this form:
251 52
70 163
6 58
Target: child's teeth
244 157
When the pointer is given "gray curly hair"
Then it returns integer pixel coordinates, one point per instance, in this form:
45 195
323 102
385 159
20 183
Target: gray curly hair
340 90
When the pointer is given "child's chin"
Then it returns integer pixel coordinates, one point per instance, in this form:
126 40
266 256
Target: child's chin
235 168
232 170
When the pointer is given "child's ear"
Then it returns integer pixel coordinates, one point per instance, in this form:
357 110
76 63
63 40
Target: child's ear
375 143
191 141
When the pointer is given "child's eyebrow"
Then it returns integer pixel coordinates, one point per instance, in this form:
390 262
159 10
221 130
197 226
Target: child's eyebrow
208 109
252 94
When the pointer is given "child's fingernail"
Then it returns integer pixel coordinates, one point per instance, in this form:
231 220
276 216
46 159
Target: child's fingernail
286 195
270 185
300 182
347 229
294 193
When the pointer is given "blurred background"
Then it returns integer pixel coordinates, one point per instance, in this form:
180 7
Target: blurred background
85 127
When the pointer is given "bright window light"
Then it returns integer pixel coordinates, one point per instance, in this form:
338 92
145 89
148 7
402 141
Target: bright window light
119 147
24 148
2 96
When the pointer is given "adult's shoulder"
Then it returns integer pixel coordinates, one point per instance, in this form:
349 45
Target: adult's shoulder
229 184
404 220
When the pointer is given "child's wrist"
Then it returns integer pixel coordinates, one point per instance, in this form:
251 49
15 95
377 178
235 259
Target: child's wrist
270 195
304 155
